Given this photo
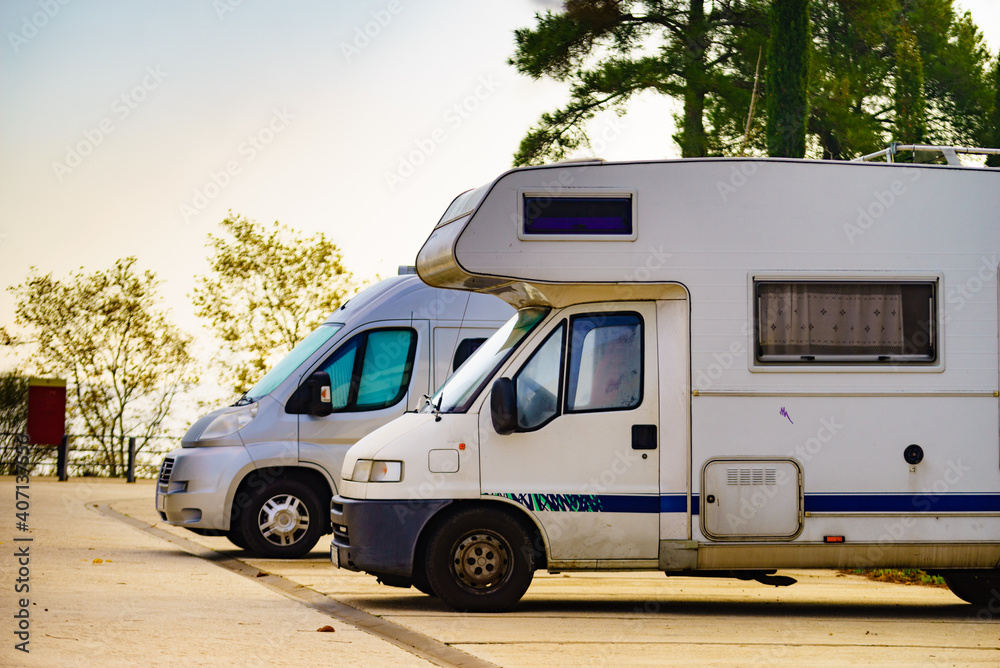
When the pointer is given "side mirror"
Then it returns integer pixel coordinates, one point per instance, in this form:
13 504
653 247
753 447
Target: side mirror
319 394
503 406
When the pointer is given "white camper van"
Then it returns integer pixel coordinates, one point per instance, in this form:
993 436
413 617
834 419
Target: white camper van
262 471
718 366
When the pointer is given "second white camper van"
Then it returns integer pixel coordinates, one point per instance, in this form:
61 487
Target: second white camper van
718 366
262 471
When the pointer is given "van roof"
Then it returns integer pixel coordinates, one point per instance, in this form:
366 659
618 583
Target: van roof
406 296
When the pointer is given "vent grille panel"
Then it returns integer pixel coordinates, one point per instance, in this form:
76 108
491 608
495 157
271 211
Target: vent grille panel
751 476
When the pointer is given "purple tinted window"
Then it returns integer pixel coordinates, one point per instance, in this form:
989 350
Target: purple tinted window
578 215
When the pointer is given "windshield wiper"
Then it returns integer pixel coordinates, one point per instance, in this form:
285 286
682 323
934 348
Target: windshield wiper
244 400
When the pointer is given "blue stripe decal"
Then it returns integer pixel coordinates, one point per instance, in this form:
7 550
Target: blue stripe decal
673 503
902 503
629 504
815 503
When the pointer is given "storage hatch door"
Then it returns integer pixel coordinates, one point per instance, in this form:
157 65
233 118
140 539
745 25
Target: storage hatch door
751 499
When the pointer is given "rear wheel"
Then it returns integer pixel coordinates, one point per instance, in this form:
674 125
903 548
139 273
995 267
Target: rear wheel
981 588
281 520
480 560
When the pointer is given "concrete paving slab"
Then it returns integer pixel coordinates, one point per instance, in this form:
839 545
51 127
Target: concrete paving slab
717 656
647 619
104 594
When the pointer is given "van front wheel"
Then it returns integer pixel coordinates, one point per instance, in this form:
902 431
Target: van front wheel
235 537
480 560
281 520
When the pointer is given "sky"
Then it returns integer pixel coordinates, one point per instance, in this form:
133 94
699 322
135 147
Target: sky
131 127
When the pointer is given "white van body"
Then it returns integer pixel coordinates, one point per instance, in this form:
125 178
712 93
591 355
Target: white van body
262 471
746 365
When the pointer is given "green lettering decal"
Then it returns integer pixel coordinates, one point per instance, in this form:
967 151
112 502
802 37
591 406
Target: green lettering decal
573 503
526 501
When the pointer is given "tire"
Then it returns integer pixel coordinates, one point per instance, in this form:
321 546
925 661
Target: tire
236 538
281 520
980 588
480 560
393 580
420 581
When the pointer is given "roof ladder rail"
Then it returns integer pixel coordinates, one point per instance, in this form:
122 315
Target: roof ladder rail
950 153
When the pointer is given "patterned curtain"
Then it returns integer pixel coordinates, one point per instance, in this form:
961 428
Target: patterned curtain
831 319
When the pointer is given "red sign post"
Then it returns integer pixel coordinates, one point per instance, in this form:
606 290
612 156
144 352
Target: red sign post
46 410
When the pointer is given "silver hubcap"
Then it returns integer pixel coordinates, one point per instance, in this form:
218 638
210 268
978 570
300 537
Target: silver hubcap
482 560
283 520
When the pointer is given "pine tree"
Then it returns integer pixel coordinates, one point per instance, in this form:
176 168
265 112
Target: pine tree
788 78
611 50
910 108
994 160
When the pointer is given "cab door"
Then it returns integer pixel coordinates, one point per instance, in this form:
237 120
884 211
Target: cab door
375 374
584 458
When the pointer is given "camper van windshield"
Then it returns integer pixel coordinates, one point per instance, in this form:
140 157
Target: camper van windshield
463 386
292 361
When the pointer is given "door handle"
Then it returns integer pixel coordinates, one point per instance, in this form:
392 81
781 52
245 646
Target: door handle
644 437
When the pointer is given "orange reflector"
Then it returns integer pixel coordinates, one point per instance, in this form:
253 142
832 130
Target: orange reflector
461 446
833 539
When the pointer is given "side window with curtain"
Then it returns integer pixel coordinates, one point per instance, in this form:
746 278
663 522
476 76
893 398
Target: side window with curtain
372 370
592 363
605 362
838 321
536 385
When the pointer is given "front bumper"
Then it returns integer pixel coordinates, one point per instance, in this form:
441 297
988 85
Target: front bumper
193 488
378 537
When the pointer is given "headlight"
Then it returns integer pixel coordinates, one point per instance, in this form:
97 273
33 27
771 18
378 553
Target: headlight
368 470
229 423
362 470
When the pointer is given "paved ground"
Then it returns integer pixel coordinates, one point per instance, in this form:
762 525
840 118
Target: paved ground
164 596
103 593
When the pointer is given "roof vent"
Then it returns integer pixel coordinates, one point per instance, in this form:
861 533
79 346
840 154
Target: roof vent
578 161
